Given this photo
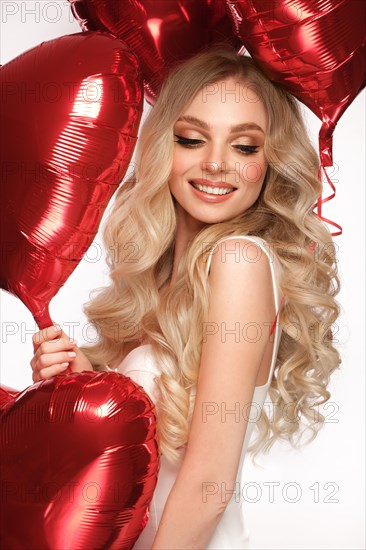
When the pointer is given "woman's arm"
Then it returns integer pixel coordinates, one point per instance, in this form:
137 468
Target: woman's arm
241 297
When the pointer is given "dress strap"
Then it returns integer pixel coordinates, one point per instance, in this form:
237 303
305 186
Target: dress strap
272 260
276 328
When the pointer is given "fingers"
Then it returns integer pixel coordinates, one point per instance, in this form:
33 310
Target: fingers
52 333
46 373
48 359
54 346
54 351
45 335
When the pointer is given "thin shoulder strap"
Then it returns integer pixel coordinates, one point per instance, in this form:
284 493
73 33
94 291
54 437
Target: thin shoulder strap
272 260
276 328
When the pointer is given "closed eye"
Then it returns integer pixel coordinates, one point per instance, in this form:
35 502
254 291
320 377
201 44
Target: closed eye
188 142
247 149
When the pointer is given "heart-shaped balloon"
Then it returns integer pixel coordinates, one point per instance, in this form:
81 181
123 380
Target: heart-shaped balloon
160 33
71 109
79 463
314 48
7 395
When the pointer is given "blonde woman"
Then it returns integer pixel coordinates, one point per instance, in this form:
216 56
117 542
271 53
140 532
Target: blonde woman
222 290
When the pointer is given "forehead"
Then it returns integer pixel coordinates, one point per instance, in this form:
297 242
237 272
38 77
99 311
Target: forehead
232 99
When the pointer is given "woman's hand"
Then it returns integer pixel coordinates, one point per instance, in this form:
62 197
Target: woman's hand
54 351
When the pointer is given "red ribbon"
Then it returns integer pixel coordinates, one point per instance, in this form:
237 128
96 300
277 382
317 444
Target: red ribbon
319 204
321 201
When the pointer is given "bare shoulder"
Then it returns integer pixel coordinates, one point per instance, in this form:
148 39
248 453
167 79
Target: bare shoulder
239 260
235 334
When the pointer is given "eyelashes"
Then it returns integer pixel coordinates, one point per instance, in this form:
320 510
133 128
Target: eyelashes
188 141
192 143
247 149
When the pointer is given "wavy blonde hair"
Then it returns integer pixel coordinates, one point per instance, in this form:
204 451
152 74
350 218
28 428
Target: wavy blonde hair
139 238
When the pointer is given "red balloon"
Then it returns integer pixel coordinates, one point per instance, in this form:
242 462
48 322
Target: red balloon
161 33
79 463
314 48
7 394
69 123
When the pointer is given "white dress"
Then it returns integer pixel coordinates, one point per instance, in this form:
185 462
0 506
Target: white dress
231 532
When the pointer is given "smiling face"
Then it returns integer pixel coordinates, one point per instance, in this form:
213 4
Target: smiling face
218 162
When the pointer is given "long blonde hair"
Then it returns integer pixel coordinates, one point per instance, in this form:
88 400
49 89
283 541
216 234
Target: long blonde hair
139 238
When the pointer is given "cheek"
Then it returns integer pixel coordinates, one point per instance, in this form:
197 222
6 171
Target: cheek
253 171
179 164
175 176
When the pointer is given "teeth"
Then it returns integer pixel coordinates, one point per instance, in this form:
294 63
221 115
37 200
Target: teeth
212 190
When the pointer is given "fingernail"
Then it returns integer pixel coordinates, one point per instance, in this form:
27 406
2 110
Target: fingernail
73 341
56 328
71 354
64 365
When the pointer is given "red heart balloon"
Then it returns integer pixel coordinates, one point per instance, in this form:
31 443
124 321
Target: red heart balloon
314 48
79 463
71 111
7 395
161 33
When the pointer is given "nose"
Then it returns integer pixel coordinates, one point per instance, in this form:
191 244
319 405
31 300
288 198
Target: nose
211 167
215 159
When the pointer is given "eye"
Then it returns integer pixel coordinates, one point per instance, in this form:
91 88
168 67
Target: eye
188 142
247 149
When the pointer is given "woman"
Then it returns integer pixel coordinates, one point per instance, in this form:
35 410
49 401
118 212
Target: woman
221 274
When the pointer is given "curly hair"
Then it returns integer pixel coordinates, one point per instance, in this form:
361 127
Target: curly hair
139 238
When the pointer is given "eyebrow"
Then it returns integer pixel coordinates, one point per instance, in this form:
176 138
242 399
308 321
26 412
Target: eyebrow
237 128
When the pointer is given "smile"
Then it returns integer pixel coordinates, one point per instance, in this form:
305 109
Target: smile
211 190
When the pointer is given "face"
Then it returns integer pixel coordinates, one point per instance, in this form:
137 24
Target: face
218 162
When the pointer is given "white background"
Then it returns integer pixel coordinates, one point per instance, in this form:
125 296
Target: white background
318 498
